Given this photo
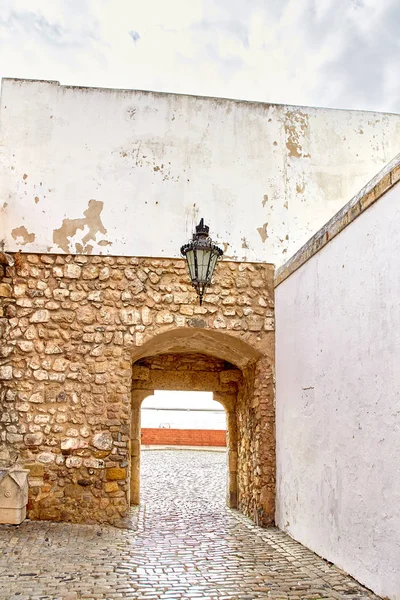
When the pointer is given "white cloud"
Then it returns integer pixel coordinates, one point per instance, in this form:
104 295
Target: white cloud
342 53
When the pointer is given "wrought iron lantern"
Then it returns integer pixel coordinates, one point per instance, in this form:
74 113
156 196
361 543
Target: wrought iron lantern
201 256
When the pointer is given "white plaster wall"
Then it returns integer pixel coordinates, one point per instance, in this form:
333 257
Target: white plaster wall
338 399
131 173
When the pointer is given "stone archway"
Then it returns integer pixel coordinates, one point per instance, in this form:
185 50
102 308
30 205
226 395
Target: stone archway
241 378
186 372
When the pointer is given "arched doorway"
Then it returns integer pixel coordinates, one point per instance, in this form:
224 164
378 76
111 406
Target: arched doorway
241 380
185 372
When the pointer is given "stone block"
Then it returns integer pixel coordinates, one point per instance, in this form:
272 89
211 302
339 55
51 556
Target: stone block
72 271
73 462
111 486
130 316
72 443
102 440
35 470
25 345
5 290
6 372
13 495
33 439
90 272
115 474
40 316
93 463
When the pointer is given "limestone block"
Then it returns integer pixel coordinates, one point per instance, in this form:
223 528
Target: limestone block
269 324
93 463
255 323
115 474
5 372
111 486
52 348
37 398
72 443
5 290
104 273
73 462
90 272
130 316
25 346
86 314
46 457
95 296
13 495
33 439
72 271
103 440
40 316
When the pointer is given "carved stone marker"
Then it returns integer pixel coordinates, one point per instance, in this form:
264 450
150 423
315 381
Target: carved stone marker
13 495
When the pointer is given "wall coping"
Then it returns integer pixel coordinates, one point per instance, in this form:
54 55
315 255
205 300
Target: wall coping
366 197
249 103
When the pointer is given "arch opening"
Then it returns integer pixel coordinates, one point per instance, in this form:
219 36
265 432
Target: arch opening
241 377
185 372
183 435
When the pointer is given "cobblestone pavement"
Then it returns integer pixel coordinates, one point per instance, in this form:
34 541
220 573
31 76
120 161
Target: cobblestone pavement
183 543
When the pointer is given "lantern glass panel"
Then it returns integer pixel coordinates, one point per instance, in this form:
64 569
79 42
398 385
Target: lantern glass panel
213 262
191 264
203 264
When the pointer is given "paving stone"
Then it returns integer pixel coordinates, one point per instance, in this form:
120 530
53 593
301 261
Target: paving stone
182 543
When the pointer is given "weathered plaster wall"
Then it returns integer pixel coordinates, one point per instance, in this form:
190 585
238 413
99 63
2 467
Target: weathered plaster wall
71 327
337 396
130 173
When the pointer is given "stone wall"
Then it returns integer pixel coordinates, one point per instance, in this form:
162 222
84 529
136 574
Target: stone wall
256 442
72 326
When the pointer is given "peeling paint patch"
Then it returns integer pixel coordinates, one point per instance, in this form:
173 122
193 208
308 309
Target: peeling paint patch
300 188
296 127
91 221
262 231
265 200
105 243
22 237
244 243
36 199
25 176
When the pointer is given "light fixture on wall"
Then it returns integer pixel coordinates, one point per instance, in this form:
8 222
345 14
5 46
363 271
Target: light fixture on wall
201 256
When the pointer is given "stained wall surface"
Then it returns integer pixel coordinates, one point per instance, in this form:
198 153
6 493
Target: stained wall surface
337 395
130 173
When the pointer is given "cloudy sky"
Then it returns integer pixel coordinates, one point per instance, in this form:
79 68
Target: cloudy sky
336 53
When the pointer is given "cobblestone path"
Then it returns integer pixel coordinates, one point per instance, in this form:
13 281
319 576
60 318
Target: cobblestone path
183 543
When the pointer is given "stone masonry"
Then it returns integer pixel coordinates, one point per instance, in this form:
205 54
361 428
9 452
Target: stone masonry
72 328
